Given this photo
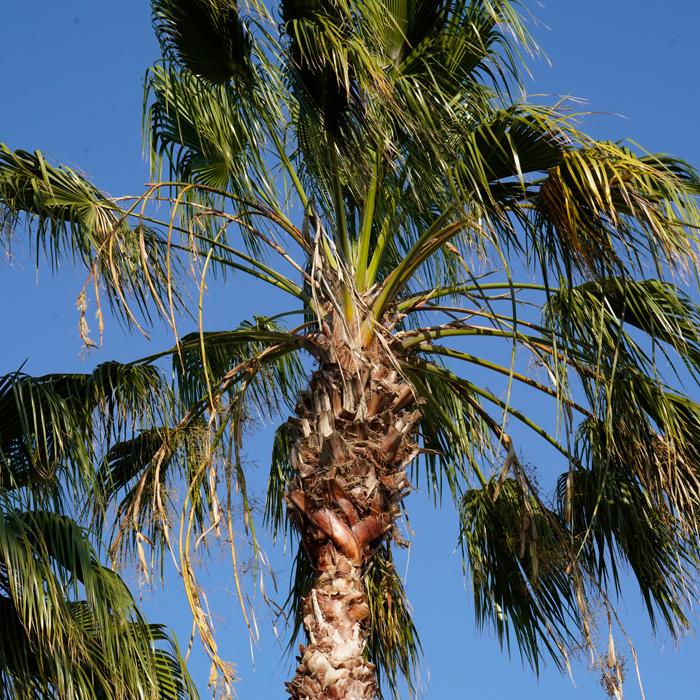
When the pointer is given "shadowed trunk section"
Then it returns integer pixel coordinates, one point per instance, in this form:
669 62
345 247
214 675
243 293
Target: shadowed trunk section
355 434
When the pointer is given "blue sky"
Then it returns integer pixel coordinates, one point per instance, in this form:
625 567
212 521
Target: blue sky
72 74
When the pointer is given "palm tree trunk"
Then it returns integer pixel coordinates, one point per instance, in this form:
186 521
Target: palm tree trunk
332 663
355 435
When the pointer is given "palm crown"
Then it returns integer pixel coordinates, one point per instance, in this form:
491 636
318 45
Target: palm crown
372 161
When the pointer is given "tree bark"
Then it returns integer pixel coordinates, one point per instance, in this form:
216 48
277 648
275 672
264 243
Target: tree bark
332 663
355 434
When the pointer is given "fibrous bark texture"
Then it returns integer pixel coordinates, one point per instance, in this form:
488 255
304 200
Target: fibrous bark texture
355 434
332 663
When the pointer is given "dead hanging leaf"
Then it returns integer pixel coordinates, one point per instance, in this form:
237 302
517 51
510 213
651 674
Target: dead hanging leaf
612 670
83 327
98 304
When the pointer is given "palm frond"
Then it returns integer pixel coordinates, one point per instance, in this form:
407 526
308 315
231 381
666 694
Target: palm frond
199 128
29 667
393 645
617 518
321 55
603 209
51 423
208 37
63 646
222 380
203 362
652 434
72 218
518 557
453 436
594 314
519 140
281 474
37 430
138 475
444 55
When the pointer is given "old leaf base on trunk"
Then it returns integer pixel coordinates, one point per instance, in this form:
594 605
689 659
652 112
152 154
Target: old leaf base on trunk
355 435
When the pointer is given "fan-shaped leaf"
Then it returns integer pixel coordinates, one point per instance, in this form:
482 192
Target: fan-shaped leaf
207 36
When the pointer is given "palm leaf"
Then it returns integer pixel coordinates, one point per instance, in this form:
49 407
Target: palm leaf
453 435
603 209
209 37
136 475
594 314
66 647
318 59
51 423
518 557
393 646
73 218
615 519
519 140
654 435
198 128
281 474
204 360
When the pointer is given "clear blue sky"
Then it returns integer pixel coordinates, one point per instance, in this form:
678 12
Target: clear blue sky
72 73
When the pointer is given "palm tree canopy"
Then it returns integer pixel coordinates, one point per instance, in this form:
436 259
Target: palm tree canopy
71 629
377 163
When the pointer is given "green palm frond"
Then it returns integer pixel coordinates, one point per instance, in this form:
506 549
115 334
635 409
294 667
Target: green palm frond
445 39
72 630
594 314
444 56
649 430
393 646
51 423
37 430
617 519
209 37
281 474
325 60
62 646
518 557
652 434
73 218
453 435
203 362
230 378
409 23
198 128
515 142
31 669
604 209
125 391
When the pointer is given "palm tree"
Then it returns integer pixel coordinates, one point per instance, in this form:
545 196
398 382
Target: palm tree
70 626
373 163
